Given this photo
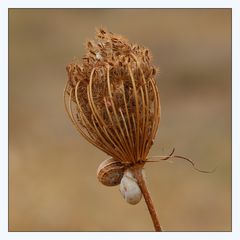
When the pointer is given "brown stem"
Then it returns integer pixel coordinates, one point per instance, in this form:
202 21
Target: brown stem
137 171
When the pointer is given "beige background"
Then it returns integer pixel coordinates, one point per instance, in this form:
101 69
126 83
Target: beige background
53 185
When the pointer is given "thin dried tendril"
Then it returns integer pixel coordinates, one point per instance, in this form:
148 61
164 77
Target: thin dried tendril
164 158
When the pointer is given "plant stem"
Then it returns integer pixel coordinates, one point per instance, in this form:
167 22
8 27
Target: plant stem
137 171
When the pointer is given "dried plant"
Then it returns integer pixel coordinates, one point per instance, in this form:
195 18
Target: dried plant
112 99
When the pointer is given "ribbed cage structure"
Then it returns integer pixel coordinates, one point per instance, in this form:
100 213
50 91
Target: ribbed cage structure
112 98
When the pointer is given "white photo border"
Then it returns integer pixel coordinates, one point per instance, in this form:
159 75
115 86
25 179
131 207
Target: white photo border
4 8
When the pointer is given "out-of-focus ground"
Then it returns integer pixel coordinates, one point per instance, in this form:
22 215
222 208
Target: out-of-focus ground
53 185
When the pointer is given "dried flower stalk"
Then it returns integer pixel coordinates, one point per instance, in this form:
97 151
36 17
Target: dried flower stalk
112 99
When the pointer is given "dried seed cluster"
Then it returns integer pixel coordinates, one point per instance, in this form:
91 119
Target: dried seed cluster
112 98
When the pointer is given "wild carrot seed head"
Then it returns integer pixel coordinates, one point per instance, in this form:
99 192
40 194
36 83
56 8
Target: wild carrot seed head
112 98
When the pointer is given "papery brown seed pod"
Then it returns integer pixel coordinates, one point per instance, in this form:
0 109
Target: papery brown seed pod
135 119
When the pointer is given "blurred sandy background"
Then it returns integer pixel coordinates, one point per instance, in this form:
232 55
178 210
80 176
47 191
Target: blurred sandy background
53 185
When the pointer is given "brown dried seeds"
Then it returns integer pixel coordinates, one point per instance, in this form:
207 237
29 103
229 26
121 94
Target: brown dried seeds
112 98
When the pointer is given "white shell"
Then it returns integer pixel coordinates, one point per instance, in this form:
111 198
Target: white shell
129 188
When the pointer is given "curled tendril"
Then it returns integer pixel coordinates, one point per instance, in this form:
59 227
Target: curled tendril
170 156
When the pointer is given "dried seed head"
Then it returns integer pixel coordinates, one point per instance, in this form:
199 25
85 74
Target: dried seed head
112 97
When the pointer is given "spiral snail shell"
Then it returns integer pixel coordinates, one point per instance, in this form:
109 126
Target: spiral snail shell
110 172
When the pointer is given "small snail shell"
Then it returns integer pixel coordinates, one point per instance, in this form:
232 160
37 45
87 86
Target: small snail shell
129 188
110 172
